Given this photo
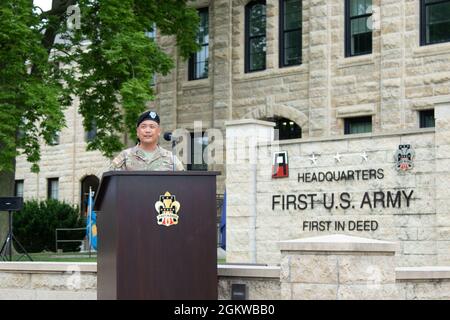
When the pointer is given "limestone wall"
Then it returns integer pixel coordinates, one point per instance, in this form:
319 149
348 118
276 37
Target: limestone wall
415 222
78 281
69 161
334 267
262 282
339 267
426 283
399 78
48 281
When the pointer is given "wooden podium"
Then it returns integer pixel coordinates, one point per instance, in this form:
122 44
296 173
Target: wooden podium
148 254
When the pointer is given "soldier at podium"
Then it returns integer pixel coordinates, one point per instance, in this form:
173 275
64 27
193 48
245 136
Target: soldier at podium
147 155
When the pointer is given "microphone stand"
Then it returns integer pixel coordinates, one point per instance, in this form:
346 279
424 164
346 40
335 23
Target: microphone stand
173 153
169 137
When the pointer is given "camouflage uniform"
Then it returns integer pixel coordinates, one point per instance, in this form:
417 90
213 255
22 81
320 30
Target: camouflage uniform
135 159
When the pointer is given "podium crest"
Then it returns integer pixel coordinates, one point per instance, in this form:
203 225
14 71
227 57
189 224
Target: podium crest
167 208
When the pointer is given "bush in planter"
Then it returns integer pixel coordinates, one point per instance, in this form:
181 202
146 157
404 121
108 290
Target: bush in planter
35 225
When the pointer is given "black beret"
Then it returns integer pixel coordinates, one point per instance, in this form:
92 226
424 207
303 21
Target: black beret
148 115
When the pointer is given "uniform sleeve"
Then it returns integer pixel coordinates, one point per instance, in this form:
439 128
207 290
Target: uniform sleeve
118 163
179 165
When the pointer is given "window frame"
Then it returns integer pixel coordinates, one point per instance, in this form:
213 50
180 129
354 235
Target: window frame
55 140
348 30
192 75
16 183
49 188
348 122
423 22
92 133
248 38
422 115
282 33
152 35
195 166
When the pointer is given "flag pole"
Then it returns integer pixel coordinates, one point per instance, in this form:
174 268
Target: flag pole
90 220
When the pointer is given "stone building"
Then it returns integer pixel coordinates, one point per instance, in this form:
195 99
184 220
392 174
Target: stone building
318 69
327 78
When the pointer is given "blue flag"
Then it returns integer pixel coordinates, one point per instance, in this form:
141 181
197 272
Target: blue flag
223 223
91 226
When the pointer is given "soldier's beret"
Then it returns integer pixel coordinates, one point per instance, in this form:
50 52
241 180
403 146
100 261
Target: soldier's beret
148 115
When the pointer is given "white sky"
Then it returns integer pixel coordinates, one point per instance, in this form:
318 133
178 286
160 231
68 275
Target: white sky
43 4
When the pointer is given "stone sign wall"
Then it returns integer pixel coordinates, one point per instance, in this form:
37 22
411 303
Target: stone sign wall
345 185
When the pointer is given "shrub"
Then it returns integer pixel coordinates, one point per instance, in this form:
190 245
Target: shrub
34 226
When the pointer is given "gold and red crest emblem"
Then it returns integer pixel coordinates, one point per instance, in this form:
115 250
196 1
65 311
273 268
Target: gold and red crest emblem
167 208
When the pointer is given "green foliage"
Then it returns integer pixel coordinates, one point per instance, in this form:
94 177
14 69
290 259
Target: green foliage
117 60
35 225
107 62
30 94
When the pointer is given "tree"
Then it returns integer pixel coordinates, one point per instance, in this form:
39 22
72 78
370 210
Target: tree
103 56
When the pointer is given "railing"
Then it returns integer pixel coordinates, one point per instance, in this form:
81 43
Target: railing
70 240
219 205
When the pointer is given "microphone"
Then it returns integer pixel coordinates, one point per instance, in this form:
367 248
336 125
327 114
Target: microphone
168 136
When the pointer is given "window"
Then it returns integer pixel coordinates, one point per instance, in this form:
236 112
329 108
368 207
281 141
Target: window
88 182
92 133
152 35
153 80
358 125
152 32
52 188
435 21
290 32
427 119
20 133
255 36
287 129
18 188
198 63
198 145
55 139
358 35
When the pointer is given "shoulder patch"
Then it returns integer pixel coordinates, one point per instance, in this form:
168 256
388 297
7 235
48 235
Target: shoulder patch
118 161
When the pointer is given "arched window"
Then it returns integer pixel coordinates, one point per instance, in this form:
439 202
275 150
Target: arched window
287 129
87 182
255 36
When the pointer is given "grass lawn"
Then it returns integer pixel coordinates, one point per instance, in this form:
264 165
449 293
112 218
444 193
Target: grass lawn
59 257
68 257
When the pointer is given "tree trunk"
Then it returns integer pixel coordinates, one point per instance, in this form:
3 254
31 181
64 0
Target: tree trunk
6 190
